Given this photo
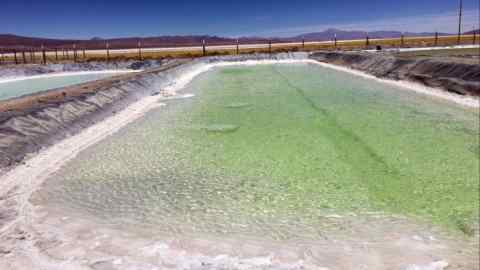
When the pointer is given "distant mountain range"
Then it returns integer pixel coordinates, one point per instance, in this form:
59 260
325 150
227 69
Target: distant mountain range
14 41
472 32
349 35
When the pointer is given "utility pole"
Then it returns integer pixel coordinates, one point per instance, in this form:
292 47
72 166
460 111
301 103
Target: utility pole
460 11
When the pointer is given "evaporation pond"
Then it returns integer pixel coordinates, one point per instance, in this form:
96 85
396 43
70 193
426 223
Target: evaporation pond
25 86
272 149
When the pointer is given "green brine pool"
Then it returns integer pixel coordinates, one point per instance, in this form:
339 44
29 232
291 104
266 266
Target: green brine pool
272 150
34 84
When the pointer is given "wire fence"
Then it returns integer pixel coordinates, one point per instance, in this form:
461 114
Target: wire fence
110 51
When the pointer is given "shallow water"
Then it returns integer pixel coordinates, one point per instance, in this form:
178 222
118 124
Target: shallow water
275 150
22 87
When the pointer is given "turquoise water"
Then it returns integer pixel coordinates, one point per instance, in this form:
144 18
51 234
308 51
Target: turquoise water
19 88
272 150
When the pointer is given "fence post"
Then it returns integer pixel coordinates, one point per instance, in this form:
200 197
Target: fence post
474 37
56 54
367 41
15 56
66 53
75 53
23 56
107 47
303 43
238 47
402 40
139 45
203 48
335 40
84 54
436 39
1 57
270 47
44 56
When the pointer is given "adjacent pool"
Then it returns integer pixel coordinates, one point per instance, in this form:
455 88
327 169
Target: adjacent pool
29 85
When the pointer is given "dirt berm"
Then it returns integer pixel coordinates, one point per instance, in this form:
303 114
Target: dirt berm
452 76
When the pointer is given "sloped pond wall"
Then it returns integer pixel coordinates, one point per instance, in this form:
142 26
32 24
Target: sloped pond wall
452 76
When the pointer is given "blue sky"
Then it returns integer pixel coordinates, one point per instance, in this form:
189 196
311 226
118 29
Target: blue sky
110 18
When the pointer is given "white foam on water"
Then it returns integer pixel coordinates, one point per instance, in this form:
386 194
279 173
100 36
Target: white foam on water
66 74
184 96
438 265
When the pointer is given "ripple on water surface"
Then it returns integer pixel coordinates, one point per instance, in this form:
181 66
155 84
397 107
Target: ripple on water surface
313 144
